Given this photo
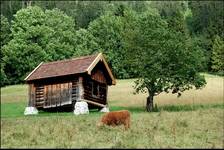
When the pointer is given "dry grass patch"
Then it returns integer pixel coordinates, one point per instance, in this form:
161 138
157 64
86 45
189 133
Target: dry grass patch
122 94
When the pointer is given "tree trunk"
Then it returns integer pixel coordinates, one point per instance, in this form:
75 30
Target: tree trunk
149 103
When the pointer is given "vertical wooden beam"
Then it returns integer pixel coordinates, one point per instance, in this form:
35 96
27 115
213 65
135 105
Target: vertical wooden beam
45 97
50 94
63 93
29 95
60 94
53 95
70 92
56 95
33 95
106 93
47 94
81 89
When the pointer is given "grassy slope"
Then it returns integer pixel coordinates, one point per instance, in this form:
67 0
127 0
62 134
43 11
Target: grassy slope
179 124
121 94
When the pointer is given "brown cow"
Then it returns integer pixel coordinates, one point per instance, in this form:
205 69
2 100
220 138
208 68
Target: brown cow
115 118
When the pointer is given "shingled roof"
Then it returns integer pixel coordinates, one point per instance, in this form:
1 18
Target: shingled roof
83 64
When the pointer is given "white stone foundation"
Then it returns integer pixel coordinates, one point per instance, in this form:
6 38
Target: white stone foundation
105 109
30 111
81 108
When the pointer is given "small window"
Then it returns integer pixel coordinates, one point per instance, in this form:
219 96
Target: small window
102 92
95 89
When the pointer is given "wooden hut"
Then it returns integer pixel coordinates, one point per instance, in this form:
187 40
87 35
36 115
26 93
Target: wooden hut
60 83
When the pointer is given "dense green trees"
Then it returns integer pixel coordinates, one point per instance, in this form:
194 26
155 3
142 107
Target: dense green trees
107 31
5 31
63 29
173 12
37 36
205 23
85 43
218 55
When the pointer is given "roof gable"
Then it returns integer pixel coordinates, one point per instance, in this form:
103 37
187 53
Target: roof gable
68 67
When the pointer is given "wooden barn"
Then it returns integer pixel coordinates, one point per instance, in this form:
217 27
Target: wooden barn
62 83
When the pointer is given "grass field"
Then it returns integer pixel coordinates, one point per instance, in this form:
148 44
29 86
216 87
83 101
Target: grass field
195 120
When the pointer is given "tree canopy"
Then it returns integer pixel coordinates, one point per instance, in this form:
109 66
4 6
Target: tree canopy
37 36
163 44
163 58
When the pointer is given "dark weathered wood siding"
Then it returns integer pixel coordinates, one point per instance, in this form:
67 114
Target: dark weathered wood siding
100 74
60 91
53 94
88 91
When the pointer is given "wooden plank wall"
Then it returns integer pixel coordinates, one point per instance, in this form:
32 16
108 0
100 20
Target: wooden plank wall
31 95
99 76
88 91
58 94
39 96
66 93
75 90
53 95
80 89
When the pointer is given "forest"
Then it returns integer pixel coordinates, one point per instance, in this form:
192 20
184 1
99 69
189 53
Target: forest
133 35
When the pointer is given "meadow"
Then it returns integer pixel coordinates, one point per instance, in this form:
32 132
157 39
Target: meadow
195 120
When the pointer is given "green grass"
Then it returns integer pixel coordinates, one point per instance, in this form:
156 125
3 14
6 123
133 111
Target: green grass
14 93
193 121
14 110
202 128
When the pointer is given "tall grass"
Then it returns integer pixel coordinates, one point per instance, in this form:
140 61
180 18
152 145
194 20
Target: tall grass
185 129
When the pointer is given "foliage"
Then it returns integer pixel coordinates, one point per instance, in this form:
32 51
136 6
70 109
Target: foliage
163 57
83 12
203 43
60 44
5 37
207 16
9 8
107 31
37 36
206 22
85 43
3 76
218 55
5 30
107 26
173 12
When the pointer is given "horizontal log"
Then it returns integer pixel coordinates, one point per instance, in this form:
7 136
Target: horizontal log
39 100
42 102
94 103
38 96
93 98
38 92
39 88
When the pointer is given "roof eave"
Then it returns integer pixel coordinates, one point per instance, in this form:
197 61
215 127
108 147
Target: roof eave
26 79
100 57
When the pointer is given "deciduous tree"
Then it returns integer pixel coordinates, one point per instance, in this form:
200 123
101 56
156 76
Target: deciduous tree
163 58
37 36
